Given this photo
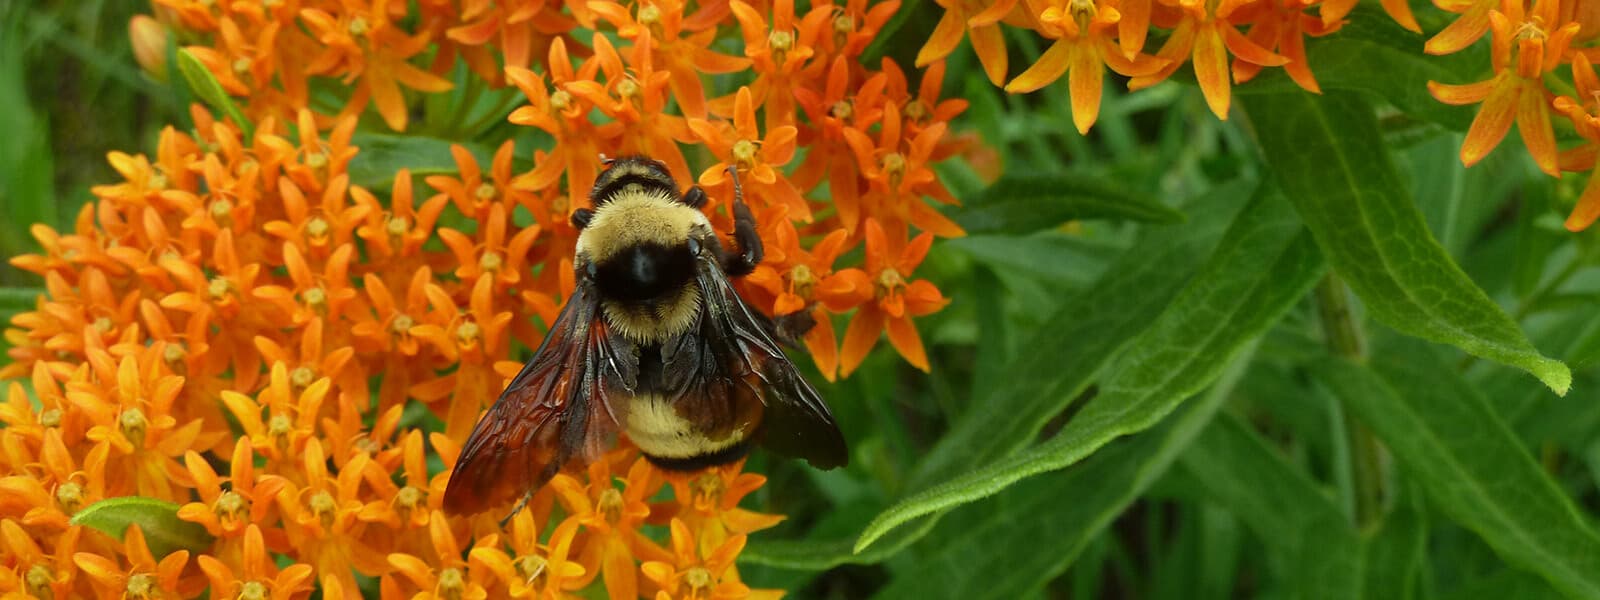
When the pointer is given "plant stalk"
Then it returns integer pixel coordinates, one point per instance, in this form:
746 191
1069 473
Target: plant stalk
1344 337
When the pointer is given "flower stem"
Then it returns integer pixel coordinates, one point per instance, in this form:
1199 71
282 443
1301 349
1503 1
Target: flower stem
1343 335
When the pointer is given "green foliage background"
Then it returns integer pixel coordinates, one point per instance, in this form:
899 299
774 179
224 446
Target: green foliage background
1299 353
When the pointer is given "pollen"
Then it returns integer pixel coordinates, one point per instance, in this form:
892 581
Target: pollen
218 288
1083 12
231 505
467 333
316 160
781 40
396 226
452 584
889 281
402 324
173 353
51 417
103 324
802 280
358 26
649 15
490 261
560 100
485 192
531 567
843 110
69 496
917 111
895 165
744 153
317 227
142 586
323 506
628 88
241 65
610 505
134 424
302 377
222 209
408 499
315 297
253 590
279 426
706 490
698 579
38 580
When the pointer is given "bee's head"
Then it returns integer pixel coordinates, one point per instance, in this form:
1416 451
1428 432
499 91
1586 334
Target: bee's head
632 174
642 247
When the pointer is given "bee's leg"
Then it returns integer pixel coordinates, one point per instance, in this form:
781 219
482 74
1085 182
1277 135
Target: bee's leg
581 217
516 509
744 233
695 197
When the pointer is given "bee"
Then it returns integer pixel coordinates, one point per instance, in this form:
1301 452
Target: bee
653 343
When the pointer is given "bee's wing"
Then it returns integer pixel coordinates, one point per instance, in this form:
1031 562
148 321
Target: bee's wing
734 359
548 414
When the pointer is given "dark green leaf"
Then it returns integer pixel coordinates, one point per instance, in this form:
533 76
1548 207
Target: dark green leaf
975 554
1264 264
205 85
1328 155
1446 435
163 531
1080 337
1028 203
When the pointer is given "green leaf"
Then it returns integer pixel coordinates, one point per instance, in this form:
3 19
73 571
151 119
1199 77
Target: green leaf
1080 338
1350 61
382 155
1300 522
1028 203
1442 432
824 554
1327 153
975 551
205 85
1263 265
163 531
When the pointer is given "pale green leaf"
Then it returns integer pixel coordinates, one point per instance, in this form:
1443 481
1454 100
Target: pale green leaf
383 154
1028 203
158 520
1330 158
205 85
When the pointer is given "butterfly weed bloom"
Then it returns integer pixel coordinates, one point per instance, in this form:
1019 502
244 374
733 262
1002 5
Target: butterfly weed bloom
284 334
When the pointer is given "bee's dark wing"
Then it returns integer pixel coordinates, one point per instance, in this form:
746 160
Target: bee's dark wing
555 409
732 359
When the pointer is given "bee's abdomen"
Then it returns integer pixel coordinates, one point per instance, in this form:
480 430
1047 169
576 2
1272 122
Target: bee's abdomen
672 441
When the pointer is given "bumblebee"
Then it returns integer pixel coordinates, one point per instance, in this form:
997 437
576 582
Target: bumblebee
653 343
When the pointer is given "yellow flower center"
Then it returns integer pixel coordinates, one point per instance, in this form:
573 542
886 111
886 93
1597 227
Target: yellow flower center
402 324
317 227
231 505
490 261
222 210
1083 13
781 42
706 490
173 353
158 181
142 586
302 377
134 425
917 111
744 153
69 496
467 333
649 15
889 281
218 288
895 166
531 567
241 65
279 425
408 500
843 110
51 417
628 89
396 226
560 100
485 192
610 505
451 584
253 590
38 580
843 26
315 297
323 506
358 26
698 579
802 280
103 324
316 160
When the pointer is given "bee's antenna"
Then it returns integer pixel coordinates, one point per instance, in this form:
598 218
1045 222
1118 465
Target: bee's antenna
516 509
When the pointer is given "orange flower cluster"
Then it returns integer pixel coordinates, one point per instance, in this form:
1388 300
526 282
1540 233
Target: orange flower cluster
240 329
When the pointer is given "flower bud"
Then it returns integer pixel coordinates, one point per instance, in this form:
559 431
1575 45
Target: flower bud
149 39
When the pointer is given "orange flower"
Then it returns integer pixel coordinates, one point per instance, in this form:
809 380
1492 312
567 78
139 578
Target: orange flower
693 575
246 502
471 338
492 257
450 576
895 301
1584 111
611 520
708 503
1084 44
1282 26
131 412
289 411
258 575
48 500
325 295
900 174
679 46
564 116
778 54
808 280
530 571
979 18
637 104
741 145
43 574
1525 48
322 522
143 577
1465 29
1206 32
361 43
